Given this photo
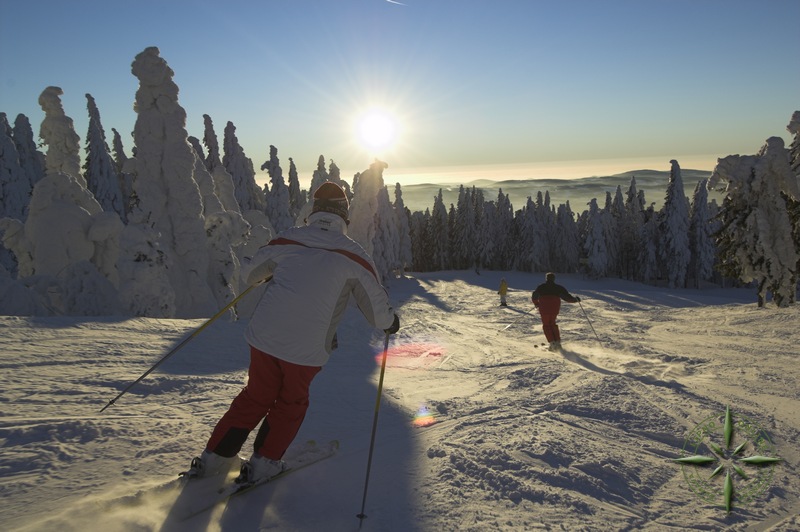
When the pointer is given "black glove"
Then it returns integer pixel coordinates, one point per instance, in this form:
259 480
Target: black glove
395 326
577 299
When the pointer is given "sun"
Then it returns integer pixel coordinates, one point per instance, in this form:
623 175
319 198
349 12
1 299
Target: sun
377 130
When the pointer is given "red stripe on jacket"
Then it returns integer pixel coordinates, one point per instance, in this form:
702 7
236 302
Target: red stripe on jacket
280 241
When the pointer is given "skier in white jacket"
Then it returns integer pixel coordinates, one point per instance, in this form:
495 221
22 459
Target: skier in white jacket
313 271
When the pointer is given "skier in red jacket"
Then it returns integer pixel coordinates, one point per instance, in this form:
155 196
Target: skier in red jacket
547 298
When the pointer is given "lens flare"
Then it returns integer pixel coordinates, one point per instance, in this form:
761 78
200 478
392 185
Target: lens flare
419 355
424 417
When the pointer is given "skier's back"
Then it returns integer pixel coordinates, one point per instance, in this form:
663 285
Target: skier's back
547 298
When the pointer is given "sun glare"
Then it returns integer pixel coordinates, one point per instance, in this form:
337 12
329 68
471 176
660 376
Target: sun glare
377 130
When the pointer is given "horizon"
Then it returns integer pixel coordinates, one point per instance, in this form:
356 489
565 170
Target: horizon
549 87
555 170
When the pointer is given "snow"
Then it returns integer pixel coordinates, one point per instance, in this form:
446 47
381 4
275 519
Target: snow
479 429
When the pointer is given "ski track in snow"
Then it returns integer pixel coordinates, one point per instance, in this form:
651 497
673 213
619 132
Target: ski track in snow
517 437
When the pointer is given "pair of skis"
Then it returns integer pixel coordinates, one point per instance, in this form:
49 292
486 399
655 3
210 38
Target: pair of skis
296 458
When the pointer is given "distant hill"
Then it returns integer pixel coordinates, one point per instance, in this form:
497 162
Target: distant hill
577 191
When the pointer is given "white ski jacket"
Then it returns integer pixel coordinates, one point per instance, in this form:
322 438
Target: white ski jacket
314 268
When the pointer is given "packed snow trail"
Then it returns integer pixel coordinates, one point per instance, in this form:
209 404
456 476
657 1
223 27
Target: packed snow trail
478 430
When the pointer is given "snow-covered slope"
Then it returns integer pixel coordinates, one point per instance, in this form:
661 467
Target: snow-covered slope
479 428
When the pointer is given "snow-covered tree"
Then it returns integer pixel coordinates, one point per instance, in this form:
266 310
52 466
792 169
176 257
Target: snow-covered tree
615 221
385 246
99 169
463 237
277 197
67 241
319 176
421 248
701 242
503 229
405 256
631 232
438 235
125 180
755 241
15 190
247 192
674 230
30 158
476 196
567 245
223 181
793 205
487 235
595 246
364 206
15 186
334 175
62 156
649 264
297 196
169 199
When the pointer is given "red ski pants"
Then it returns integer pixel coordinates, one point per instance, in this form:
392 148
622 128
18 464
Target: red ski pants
549 327
277 392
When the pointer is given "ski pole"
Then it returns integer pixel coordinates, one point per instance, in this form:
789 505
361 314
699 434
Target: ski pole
180 345
590 322
361 516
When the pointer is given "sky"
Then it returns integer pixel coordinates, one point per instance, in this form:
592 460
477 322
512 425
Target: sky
546 88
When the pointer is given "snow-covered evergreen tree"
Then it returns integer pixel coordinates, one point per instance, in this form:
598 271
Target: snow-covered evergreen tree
364 206
334 175
649 264
64 156
487 235
755 241
674 230
567 245
504 232
319 176
15 191
615 219
793 205
277 197
30 158
402 215
247 192
385 245
595 246
525 255
169 199
631 232
541 225
223 181
420 245
297 197
478 208
125 180
438 235
67 241
99 169
701 243
15 186
463 237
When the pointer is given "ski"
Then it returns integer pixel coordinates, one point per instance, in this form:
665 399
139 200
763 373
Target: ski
296 458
